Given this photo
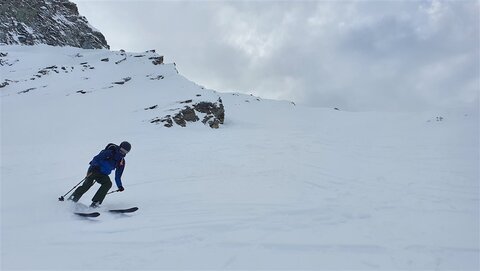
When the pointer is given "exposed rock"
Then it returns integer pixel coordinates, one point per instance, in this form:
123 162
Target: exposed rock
158 77
179 120
186 114
121 60
124 80
25 91
167 120
157 60
151 107
47 70
215 124
212 109
52 22
213 114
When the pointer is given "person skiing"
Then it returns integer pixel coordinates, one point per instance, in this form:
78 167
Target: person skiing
112 157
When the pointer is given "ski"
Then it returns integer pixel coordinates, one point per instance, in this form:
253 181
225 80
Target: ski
94 214
117 211
123 211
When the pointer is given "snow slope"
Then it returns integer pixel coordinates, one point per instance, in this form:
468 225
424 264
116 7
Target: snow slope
278 186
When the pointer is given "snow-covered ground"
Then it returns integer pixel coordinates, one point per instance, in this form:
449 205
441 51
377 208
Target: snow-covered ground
278 186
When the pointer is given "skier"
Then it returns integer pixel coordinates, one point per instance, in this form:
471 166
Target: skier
112 157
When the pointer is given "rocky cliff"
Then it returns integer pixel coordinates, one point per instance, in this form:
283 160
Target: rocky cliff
52 22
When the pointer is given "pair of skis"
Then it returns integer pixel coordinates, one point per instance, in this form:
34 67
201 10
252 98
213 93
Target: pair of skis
116 211
95 214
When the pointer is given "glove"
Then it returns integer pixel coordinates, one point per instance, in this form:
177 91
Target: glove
120 189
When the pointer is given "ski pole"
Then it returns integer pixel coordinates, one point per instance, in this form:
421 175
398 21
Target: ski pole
62 198
114 191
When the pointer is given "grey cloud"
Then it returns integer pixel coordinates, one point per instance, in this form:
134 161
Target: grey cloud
390 55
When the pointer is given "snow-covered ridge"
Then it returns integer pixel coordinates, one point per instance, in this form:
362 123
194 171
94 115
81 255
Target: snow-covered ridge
52 22
73 72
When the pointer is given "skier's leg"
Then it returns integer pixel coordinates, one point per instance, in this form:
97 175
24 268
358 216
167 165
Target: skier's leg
106 184
78 193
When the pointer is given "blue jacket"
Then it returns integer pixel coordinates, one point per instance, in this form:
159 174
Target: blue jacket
108 160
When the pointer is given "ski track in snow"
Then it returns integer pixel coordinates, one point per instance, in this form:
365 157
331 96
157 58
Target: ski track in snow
276 187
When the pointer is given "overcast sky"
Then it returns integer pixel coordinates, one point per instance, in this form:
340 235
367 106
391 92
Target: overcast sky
356 55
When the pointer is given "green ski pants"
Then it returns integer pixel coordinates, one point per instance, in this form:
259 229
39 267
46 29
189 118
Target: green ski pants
102 179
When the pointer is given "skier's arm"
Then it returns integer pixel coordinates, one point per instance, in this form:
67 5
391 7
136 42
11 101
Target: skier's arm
119 172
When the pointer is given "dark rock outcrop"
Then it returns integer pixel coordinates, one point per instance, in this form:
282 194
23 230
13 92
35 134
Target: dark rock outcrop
212 110
157 60
213 114
186 114
52 22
